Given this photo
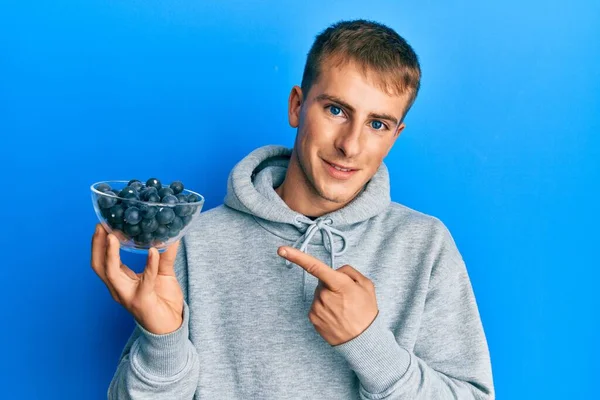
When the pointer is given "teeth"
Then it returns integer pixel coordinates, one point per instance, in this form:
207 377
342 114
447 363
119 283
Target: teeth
340 169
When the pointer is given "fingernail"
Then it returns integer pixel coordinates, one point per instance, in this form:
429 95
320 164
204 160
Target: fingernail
97 229
282 252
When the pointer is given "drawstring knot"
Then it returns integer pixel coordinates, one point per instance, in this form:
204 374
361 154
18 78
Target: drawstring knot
313 228
304 240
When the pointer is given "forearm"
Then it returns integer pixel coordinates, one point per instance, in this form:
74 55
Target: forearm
386 370
157 366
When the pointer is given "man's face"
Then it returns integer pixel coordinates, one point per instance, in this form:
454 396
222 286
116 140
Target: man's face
346 120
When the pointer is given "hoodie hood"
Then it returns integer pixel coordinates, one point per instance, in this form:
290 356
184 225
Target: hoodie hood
251 189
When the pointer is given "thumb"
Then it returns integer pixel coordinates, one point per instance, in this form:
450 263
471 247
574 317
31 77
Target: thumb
151 271
352 273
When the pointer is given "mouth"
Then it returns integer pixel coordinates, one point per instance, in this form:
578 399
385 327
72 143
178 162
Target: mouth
338 171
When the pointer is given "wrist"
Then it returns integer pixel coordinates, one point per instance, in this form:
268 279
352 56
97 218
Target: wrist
376 357
151 326
162 355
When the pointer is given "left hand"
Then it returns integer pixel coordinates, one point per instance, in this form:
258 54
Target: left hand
345 303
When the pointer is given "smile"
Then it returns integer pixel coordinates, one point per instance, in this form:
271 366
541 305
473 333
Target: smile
339 171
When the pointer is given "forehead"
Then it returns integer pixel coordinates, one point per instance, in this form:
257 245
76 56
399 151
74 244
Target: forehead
362 89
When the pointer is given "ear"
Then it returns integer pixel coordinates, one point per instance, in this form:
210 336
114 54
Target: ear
396 135
399 130
294 106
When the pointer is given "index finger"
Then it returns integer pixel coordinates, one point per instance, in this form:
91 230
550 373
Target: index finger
166 263
333 279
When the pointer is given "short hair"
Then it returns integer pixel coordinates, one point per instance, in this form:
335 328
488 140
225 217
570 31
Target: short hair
375 48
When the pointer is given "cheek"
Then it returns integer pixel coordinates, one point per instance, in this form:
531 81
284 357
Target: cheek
304 145
319 128
376 149
312 140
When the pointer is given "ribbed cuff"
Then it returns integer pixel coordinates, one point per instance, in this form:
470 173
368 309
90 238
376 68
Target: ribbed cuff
376 358
162 355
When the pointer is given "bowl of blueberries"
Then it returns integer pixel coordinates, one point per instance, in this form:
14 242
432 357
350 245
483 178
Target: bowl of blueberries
144 215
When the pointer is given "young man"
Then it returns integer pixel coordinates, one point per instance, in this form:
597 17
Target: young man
309 283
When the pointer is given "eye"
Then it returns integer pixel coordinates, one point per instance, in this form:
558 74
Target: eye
377 125
334 110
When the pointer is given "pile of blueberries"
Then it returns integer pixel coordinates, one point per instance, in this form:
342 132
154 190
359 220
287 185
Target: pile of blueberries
133 210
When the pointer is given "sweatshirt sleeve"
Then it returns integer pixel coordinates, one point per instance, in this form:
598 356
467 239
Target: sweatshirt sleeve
450 359
159 366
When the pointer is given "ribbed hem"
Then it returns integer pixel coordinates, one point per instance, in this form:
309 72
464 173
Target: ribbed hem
376 358
162 355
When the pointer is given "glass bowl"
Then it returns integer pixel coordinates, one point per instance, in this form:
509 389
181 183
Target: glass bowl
140 224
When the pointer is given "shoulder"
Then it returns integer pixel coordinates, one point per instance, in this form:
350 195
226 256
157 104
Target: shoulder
216 223
398 216
419 230
218 214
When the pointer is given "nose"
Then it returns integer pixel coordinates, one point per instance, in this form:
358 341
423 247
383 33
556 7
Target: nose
348 141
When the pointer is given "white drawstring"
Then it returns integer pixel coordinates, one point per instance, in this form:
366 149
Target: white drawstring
304 240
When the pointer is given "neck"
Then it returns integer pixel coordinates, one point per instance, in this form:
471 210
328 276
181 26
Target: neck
300 195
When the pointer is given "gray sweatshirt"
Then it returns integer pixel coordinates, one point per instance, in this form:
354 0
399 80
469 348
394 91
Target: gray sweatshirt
246 332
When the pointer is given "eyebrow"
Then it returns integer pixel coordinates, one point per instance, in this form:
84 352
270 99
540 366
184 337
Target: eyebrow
387 117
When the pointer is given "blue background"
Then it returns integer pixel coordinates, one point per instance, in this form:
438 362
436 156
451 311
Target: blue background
502 145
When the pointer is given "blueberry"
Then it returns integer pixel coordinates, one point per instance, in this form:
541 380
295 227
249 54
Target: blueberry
177 187
127 190
137 185
103 187
148 211
132 230
117 227
105 212
165 216
169 199
149 225
182 210
107 201
177 223
133 215
161 231
133 181
114 193
130 199
186 220
116 214
193 198
165 191
161 234
153 182
144 193
174 232
153 198
160 239
144 238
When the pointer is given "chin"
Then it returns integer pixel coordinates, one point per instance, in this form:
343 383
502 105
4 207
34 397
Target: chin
339 196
